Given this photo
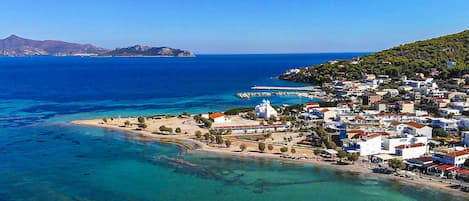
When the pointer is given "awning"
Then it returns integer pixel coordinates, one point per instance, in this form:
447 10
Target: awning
445 167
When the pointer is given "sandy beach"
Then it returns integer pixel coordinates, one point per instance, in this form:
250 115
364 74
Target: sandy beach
187 140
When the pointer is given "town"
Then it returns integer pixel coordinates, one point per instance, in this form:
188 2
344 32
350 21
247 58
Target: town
412 129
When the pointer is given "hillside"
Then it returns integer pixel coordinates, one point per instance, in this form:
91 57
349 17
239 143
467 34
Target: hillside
17 46
139 50
443 57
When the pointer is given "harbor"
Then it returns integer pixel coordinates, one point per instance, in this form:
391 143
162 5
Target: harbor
312 92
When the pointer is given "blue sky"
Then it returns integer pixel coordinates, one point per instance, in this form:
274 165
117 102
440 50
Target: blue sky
237 26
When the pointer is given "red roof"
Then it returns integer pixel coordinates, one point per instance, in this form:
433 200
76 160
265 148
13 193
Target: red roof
324 110
216 115
445 167
410 146
358 117
461 171
356 131
458 153
396 123
415 124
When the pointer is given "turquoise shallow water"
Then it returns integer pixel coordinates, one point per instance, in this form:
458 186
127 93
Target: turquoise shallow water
45 158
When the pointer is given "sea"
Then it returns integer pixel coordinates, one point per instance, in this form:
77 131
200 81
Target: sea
44 157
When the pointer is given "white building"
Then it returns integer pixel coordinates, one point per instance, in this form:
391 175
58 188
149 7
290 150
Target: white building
370 145
417 129
445 124
411 151
455 158
445 112
219 117
264 110
325 113
463 123
465 138
390 143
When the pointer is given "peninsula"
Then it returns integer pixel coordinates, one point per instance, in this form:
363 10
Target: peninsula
15 46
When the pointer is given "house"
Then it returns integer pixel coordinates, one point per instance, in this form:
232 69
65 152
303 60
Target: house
369 145
370 99
219 117
391 142
264 110
465 138
325 114
463 123
439 102
310 105
411 151
380 106
454 158
445 124
405 106
447 112
460 106
397 126
417 129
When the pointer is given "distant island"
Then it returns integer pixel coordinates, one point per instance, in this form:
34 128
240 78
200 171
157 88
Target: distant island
146 51
16 46
442 58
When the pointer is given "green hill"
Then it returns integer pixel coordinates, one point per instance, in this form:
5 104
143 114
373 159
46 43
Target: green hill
429 57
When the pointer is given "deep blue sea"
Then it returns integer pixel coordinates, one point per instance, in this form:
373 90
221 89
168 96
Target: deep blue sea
43 157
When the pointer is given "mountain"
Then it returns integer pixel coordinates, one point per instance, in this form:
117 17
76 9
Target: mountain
442 58
139 50
17 46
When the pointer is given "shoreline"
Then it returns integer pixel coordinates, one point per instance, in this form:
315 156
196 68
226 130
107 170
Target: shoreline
190 146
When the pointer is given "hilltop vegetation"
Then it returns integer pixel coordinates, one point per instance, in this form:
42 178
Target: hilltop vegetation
429 57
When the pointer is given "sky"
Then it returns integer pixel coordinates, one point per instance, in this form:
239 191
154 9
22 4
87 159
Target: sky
236 26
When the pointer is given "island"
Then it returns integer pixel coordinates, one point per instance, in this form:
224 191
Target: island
15 46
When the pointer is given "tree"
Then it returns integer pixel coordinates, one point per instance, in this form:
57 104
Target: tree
126 123
268 135
141 120
143 125
104 119
341 154
284 149
352 157
185 113
251 115
293 150
242 147
396 164
317 152
198 134
270 147
178 130
219 139
228 143
261 146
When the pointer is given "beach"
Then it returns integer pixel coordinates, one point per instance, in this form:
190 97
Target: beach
188 141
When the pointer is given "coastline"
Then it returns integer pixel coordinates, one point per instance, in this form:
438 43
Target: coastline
188 144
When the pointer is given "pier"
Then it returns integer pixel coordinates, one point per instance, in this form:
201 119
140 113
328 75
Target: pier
305 88
248 95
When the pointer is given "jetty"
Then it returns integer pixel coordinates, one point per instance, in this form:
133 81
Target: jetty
305 88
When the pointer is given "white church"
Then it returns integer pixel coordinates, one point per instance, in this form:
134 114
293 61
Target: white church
264 110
